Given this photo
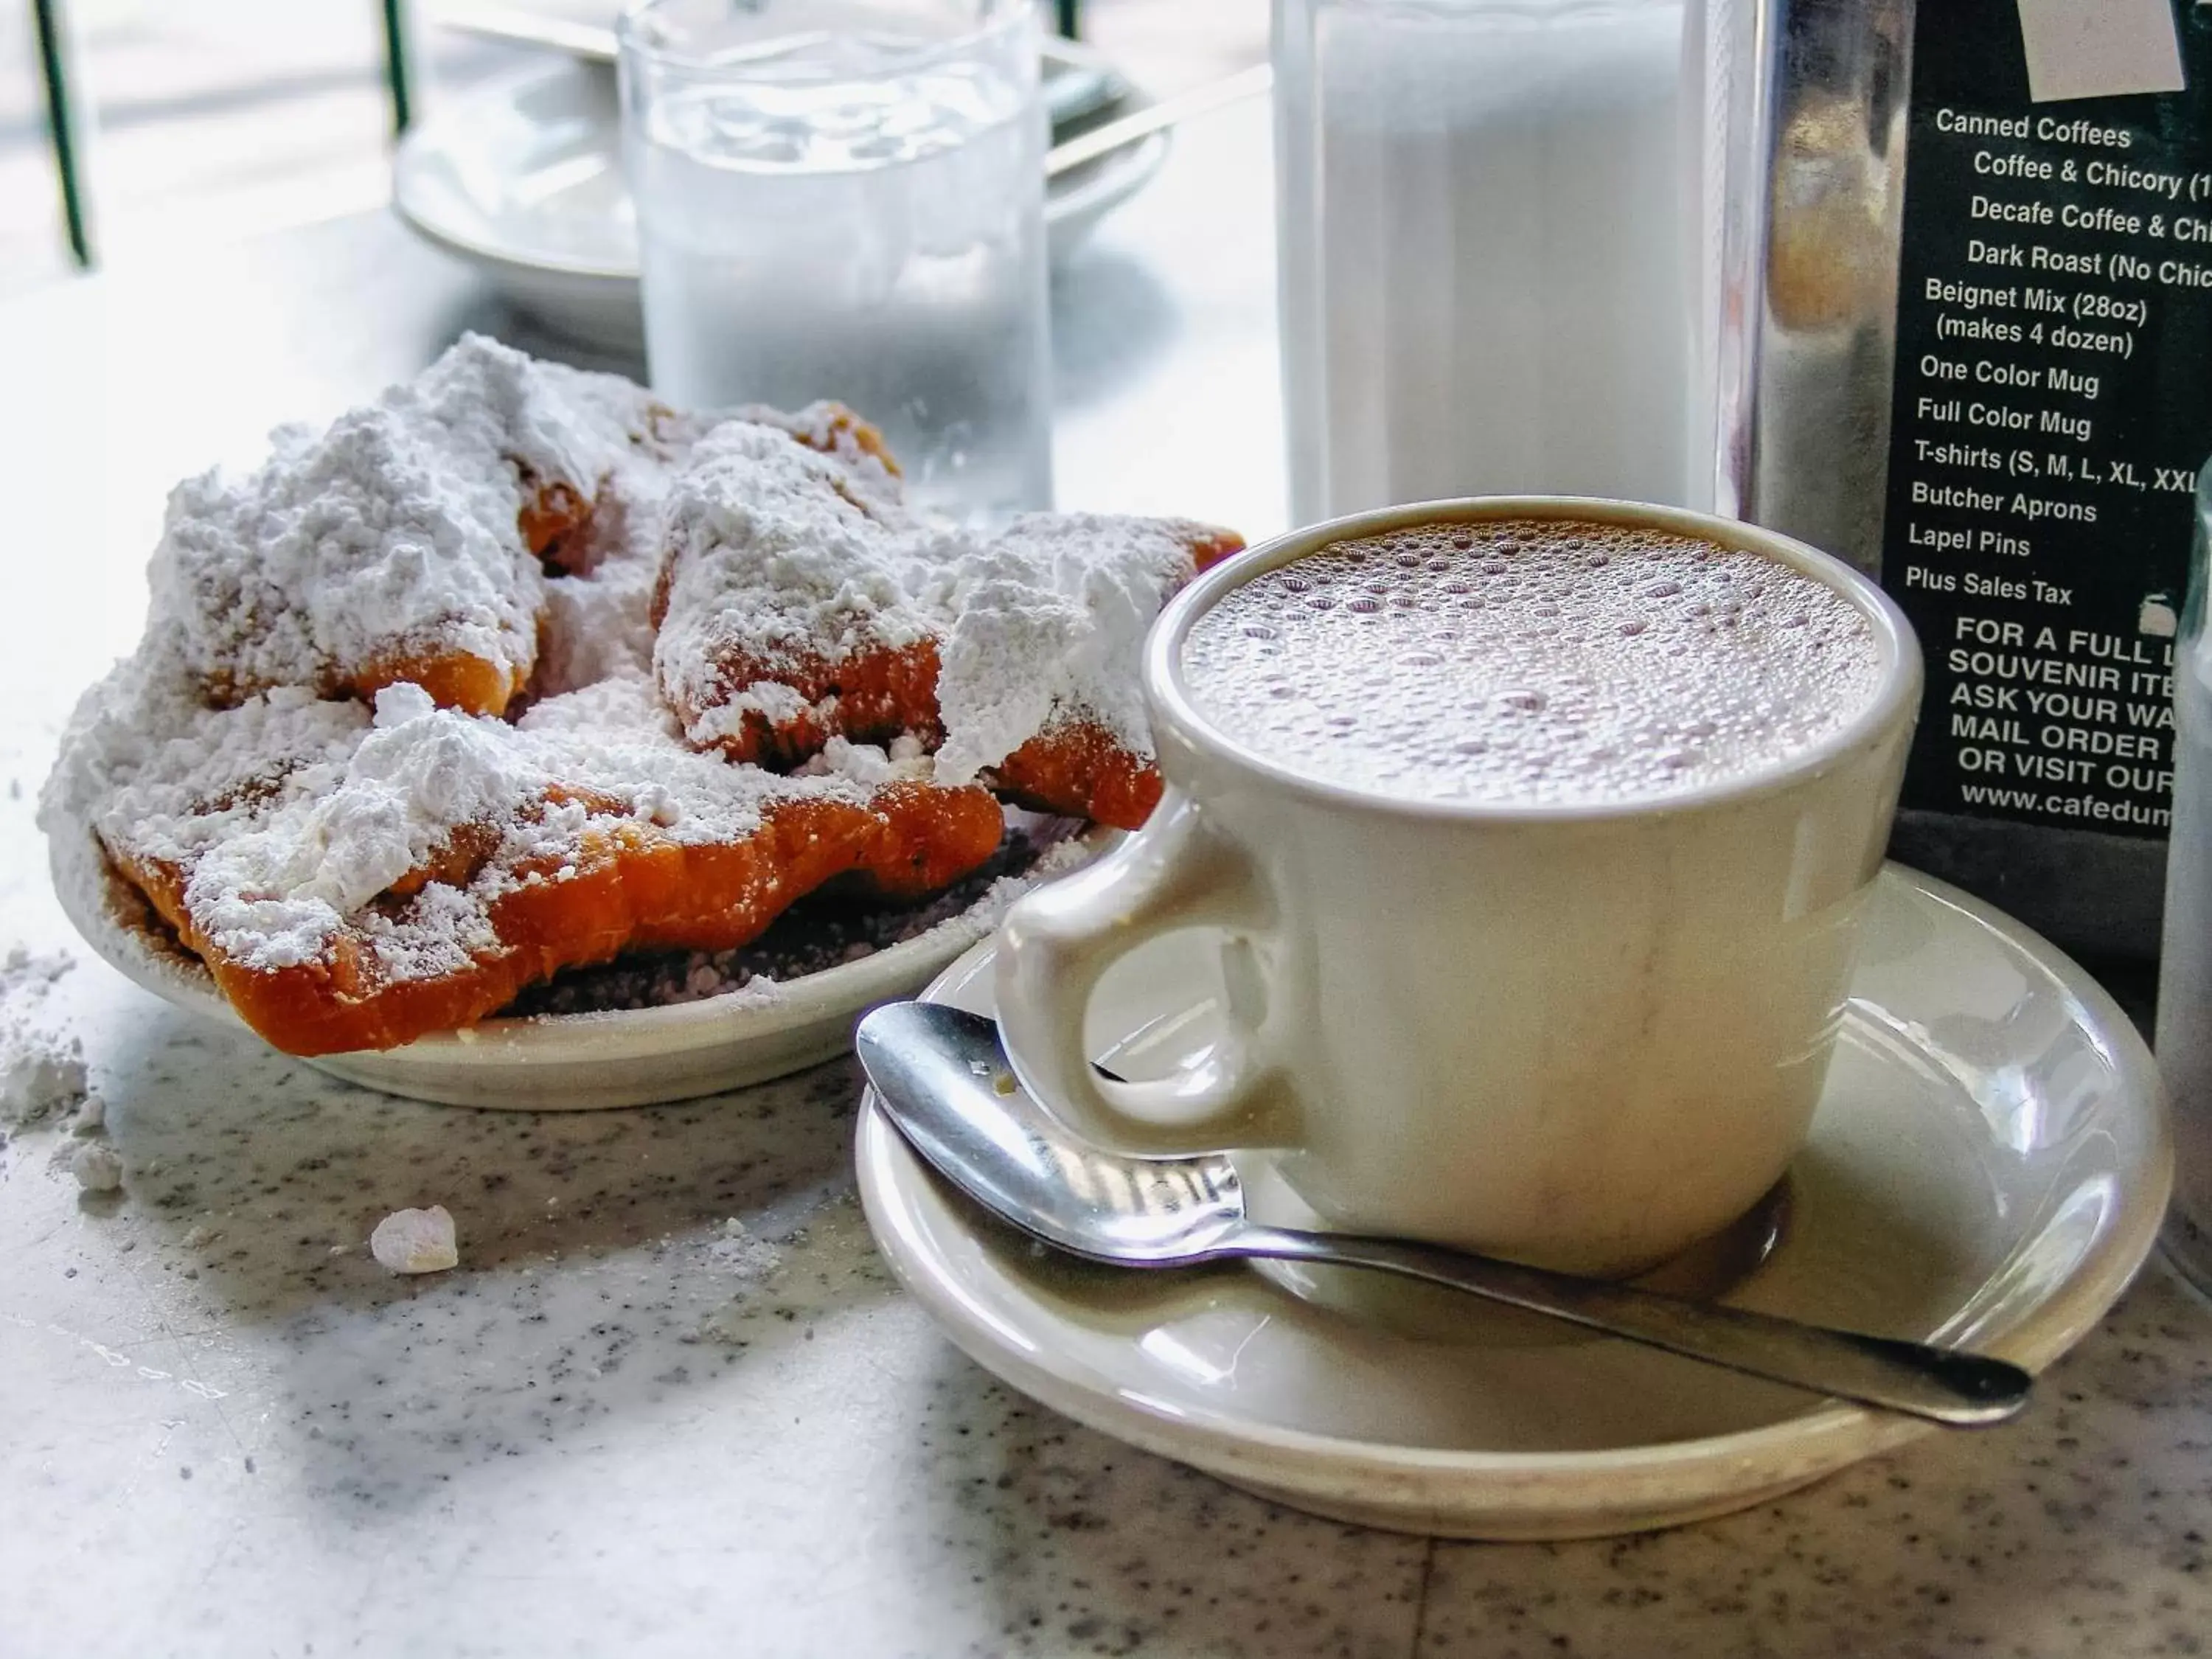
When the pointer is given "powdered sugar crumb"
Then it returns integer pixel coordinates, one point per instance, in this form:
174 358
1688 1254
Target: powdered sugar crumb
97 1168
39 1071
25 975
416 1241
734 1248
41 1068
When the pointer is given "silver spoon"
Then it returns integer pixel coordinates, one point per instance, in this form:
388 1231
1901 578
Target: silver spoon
943 1078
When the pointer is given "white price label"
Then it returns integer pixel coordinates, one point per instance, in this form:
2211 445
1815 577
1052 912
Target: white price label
2099 48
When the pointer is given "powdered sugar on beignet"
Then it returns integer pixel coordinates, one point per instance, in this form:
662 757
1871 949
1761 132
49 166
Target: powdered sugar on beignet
1045 627
800 602
404 541
353 879
782 607
461 691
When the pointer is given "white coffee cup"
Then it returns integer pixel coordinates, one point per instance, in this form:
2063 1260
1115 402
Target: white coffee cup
1580 1036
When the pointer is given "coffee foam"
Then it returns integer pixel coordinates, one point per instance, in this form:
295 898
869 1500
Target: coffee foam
1531 662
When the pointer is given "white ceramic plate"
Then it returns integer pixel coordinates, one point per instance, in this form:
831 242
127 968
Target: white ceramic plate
1988 1168
554 1062
523 179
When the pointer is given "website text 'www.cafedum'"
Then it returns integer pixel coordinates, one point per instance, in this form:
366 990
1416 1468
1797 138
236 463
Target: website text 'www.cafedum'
2095 809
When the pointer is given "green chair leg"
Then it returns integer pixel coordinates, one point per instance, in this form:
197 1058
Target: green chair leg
395 64
61 128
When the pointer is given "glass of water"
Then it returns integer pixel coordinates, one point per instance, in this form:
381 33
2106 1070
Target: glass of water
845 198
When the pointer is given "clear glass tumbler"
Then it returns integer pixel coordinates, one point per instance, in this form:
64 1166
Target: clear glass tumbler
845 198
2185 976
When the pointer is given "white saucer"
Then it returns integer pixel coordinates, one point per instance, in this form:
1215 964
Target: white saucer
1988 1168
523 179
553 1062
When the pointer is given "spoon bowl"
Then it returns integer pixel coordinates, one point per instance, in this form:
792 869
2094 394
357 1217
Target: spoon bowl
945 1081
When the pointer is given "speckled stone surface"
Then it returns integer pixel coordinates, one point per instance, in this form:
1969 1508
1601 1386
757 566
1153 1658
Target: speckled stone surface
2086 1528
623 1426
624 1423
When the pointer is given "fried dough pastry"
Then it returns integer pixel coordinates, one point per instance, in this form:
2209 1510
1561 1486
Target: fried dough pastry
469 689
409 541
1042 634
800 602
355 882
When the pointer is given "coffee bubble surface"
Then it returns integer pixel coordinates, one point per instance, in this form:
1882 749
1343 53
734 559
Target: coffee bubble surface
1537 662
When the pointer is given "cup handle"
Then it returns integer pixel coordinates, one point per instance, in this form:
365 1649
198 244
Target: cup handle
1177 871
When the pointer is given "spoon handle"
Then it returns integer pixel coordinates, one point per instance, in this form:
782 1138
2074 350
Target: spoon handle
1959 1389
1105 140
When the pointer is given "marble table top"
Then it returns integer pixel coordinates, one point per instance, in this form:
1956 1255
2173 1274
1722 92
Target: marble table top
670 1402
